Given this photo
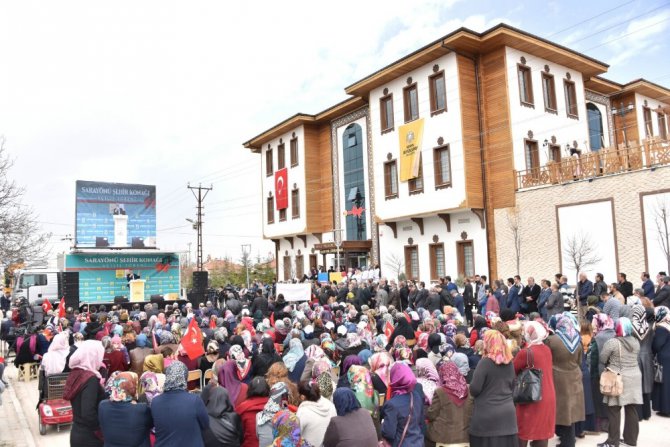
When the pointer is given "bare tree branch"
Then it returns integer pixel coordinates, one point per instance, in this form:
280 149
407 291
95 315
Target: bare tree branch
513 223
662 212
580 252
395 264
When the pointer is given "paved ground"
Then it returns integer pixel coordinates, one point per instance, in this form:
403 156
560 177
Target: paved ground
19 428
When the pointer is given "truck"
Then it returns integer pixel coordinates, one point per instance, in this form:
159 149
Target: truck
104 276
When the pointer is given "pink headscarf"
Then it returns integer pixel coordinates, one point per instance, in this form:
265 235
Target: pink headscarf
403 380
380 364
88 357
53 361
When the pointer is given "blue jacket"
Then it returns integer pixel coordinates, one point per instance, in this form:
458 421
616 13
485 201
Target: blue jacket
394 417
649 289
513 298
584 290
459 304
541 301
179 418
125 424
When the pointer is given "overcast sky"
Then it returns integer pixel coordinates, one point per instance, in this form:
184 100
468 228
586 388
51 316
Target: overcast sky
165 92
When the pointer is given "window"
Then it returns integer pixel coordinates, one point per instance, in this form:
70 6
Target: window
549 92
648 130
299 266
416 184
595 121
281 157
525 85
555 152
295 203
662 129
269 170
282 215
287 268
412 262
442 165
354 182
532 154
437 270
391 179
294 152
386 112
271 210
570 99
438 93
411 101
465 255
312 262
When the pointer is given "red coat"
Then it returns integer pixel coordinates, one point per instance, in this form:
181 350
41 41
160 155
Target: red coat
114 361
247 411
536 421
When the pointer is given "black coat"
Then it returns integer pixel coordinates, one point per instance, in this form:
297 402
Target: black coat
534 293
85 422
261 304
662 297
404 297
626 289
125 424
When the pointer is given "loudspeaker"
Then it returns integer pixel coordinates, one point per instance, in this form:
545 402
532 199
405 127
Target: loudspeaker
195 298
71 289
158 299
200 280
120 299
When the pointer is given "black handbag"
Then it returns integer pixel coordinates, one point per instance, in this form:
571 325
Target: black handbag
528 384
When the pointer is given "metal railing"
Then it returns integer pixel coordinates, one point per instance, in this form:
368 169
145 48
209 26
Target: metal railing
636 156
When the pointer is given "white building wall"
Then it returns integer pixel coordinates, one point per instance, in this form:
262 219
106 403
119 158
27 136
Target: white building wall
653 104
296 175
446 125
464 222
543 124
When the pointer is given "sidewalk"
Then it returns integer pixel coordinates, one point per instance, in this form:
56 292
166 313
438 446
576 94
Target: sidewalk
15 429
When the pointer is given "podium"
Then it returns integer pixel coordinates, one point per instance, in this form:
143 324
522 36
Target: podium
137 290
120 230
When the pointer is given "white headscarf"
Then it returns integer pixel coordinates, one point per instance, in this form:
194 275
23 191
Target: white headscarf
53 361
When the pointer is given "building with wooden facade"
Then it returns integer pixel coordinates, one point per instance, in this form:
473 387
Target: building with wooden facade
478 153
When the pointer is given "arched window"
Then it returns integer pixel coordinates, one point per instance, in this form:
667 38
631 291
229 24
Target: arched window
354 182
595 120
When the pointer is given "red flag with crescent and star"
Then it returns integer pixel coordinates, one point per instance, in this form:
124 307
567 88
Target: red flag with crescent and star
61 308
46 305
192 341
281 188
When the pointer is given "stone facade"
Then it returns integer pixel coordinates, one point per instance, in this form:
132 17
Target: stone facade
536 214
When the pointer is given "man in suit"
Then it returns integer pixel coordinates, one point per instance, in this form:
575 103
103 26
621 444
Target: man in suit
468 299
584 290
404 295
648 286
600 286
662 297
530 294
625 286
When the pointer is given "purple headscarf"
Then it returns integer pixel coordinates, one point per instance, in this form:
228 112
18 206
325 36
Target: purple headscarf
228 379
403 380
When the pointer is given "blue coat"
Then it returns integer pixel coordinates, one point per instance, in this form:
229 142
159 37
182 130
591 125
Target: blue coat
542 300
649 289
179 418
513 298
394 417
125 424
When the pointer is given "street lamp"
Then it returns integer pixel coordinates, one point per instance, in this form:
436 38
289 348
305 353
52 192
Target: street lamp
621 112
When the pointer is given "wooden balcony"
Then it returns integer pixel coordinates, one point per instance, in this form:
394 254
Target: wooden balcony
648 154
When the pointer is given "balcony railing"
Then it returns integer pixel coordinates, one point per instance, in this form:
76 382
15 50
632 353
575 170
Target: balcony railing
647 154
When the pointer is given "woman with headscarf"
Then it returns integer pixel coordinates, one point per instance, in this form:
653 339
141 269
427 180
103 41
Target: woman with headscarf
404 329
353 426
322 375
360 383
179 416
566 354
402 413
154 363
602 327
257 397
237 354
139 354
477 332
53 361
348 362
113 359
278 401
225 425
295 360
493 422
278 372
433 346
427 376
151 385
620 355
536 420
661 348
83 390
286 430
644 332
330 349
380 371
124 422
206 362
264 358
451 409
227 378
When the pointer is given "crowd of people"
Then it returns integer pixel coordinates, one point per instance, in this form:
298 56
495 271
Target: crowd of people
367 363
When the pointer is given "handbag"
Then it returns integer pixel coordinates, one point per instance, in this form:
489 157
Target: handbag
658 371
611 382
384 442
528 384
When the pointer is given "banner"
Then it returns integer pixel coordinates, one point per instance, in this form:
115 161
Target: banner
295 292
281 188
115 215
103 276
410 135
323 278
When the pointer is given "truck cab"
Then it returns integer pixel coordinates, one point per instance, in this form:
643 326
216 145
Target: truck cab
36 285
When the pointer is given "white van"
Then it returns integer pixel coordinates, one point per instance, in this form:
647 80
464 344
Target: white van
36 285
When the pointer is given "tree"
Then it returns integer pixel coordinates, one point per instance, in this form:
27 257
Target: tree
20 237
513 223
580 252
661 215
396 264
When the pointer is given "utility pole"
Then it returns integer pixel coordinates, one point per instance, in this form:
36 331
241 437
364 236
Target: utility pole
200 197
189 253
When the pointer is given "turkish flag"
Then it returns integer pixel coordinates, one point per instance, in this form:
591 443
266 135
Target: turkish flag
388 329
61 308
192 341
46 305
281 188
